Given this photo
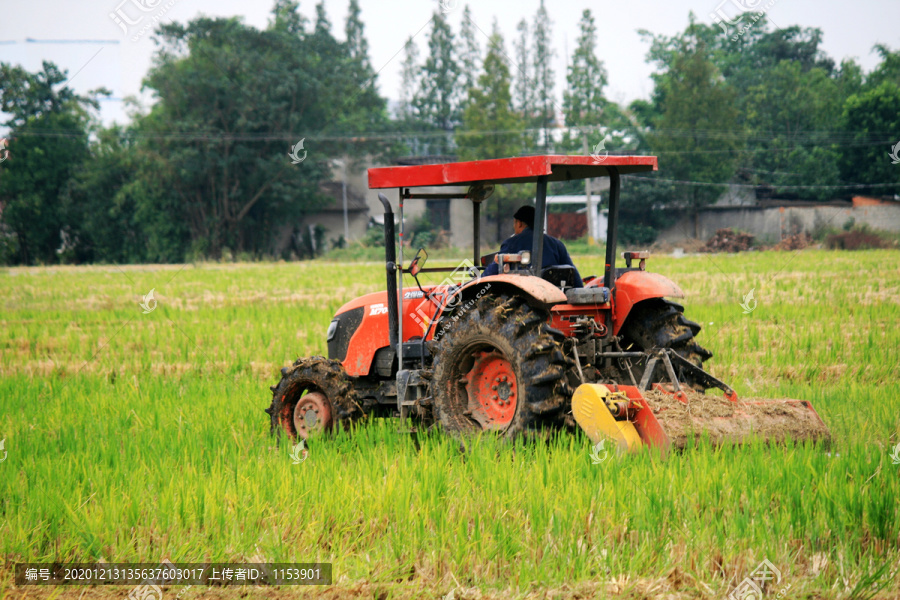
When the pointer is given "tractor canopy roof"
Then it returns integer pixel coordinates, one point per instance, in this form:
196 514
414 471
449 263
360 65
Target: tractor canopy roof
521 169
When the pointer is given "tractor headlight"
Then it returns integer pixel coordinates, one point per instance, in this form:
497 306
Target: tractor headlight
332 329
526 258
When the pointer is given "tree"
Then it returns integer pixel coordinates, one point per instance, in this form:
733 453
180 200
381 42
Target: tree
766 49
745 61
410 72
788 116
235 94
871 113
583 100
105 223
48 143
789 95
118 209
469 52
584 104
697 132
322 27
438 99
369 111
543 74
494 125
751 61
887 70
523 82
286 17
357 45
870 123
408 119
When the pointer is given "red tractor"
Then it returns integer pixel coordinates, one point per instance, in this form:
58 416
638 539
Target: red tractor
513 352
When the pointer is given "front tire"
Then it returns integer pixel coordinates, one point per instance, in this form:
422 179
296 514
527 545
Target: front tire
499 367
313 395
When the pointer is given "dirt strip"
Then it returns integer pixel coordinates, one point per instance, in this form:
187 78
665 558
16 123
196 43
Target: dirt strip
725 422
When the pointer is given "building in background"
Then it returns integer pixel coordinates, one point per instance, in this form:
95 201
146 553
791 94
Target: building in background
567 217
451 218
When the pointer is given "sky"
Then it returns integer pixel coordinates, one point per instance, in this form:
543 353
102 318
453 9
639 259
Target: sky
85 38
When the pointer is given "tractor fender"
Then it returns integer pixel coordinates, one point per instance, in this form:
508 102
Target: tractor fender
536 291
636 286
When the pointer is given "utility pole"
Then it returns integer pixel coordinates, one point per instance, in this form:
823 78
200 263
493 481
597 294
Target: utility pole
346 219
587 193
343 165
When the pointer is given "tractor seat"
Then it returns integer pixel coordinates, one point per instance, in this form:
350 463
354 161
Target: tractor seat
562 276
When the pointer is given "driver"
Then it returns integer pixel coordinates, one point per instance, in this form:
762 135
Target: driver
555 253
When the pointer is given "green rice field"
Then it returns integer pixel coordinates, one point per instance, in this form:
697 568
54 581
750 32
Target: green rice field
133 436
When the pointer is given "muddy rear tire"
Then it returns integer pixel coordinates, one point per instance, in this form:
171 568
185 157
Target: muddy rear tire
499 367
654 324
314 394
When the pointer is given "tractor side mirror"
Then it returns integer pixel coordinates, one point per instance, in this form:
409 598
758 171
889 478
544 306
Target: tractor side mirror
418 262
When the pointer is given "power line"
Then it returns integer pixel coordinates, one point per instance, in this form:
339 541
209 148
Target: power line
381 136
754 186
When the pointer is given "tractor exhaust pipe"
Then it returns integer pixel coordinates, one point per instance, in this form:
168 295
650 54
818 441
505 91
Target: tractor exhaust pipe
390 259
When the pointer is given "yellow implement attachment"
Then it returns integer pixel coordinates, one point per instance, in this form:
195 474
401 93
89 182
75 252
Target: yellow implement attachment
594 405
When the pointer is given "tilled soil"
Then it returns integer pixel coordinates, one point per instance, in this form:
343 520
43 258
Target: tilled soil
724 422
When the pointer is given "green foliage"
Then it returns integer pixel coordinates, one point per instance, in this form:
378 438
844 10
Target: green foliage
322 27
438 99
591 118
231 187
787 94
888 70
357 45
421 233
645 207
788 117
374 237
287 17
239 98
103 205
469 54
748 62
523 90
206 168
634 233
48 144
872 110
494 124
697 131
313 241
410 73
490 114
583 100
544 78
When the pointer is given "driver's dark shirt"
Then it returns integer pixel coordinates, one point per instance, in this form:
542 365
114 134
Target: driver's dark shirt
555 252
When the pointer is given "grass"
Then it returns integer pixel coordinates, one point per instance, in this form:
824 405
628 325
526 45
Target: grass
133 437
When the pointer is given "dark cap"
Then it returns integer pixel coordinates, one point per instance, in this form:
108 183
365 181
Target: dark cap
526 215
